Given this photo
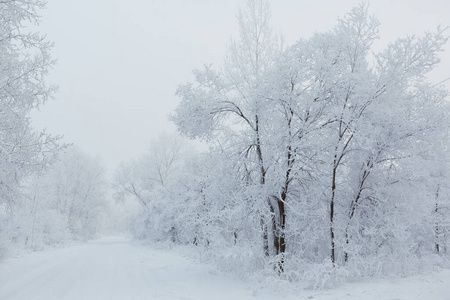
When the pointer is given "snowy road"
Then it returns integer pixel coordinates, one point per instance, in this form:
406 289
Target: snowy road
114 268
111 268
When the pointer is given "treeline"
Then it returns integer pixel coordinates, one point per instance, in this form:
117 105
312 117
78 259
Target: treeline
49 192
326 160
68 201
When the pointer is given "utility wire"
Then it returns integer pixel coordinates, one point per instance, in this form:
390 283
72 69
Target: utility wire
442 81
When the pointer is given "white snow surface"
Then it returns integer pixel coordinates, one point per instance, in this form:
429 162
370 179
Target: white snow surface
116 268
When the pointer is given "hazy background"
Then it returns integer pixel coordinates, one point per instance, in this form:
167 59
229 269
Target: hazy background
120 62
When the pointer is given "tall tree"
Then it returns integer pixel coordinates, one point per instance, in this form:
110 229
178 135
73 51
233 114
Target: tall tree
230 98
24 64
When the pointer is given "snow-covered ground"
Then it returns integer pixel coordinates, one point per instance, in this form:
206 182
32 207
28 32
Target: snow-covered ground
115 268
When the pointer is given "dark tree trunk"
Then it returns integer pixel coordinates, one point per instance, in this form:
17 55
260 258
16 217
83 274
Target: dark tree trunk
290 159
354 205
278 227
436 228
333 193
347 241
275 230
281 231
262 182
336 163
265 237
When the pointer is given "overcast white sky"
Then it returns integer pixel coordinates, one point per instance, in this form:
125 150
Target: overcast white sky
120 61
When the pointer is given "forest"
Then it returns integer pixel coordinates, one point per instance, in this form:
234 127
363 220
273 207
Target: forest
324 160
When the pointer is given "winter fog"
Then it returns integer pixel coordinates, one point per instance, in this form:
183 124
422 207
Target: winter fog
120 62
248 149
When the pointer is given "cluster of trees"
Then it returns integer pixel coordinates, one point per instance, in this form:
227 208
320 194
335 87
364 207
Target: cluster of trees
42 200
323 155
67 201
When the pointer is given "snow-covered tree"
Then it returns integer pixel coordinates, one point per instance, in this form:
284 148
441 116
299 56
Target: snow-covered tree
229 108
66 201
151 180
333 140
24 63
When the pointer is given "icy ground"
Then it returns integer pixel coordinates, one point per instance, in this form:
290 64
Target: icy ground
114 268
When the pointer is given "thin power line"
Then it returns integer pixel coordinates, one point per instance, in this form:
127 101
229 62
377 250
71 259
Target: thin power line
442 81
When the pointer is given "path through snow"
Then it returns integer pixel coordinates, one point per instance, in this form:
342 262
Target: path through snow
111 268
114 268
